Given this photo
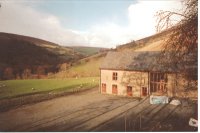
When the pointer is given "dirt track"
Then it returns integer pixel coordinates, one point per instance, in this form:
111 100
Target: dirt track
91 111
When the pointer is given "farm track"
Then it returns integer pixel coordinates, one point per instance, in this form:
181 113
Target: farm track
120 114
103 118
158 121
69 118
87 118
48 120
147 117
67 121
142 106
91 111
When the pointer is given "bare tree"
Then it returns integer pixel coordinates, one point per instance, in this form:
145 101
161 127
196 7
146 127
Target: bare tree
181 47
26 73
8 73
63 67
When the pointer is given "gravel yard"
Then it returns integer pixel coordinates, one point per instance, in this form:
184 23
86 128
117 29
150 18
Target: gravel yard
92 111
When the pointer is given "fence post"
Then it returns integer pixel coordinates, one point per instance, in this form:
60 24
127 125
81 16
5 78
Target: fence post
140 122
125 122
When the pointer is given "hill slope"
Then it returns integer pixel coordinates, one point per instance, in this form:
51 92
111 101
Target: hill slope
87 51
87 67
90 66
150 43
18 53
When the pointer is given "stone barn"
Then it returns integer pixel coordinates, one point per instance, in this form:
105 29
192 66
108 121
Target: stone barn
137 74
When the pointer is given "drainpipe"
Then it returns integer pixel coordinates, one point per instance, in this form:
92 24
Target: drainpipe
100 82
141 85
149 83
175 86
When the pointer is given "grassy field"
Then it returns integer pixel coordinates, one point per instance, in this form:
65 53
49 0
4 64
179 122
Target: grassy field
14 88
88 67
86 51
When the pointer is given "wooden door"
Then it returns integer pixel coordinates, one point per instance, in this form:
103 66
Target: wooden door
103 88
144 91
129 91
114 89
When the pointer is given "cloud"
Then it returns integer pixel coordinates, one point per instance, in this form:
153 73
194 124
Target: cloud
108 34
142 15
23 19
142 22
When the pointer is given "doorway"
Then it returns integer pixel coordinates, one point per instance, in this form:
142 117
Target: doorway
103 88
129 91
114 89
144 91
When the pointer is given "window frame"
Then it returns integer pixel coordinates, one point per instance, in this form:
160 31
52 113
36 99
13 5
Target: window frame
114 76
158 79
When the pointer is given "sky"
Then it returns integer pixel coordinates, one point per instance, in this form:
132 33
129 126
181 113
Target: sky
96 23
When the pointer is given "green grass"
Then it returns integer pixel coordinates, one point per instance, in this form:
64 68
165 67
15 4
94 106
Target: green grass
14 88
90 68
87 51
83 69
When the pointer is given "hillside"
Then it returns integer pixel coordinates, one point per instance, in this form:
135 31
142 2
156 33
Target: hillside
90 66
27 57
87 51
87 67
35 56
151 43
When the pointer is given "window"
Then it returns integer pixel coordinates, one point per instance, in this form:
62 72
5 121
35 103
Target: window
114 76
114 89
103 88
158 82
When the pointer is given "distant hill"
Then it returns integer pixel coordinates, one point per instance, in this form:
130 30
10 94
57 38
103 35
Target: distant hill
88 51
19 53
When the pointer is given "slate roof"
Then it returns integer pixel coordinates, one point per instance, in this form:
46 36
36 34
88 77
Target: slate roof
134 61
